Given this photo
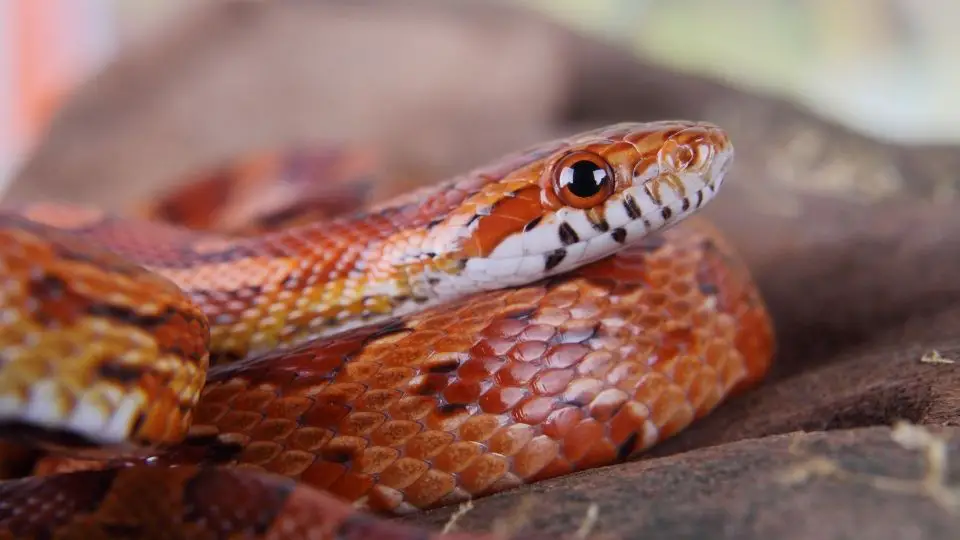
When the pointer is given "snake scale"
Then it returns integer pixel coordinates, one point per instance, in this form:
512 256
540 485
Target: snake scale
533 317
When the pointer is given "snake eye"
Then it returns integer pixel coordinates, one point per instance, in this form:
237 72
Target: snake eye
582 179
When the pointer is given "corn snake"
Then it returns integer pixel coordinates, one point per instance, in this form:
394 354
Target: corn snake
527 319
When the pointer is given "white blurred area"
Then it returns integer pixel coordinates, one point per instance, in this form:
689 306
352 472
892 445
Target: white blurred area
885 67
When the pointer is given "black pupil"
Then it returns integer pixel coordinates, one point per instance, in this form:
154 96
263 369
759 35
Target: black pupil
583 180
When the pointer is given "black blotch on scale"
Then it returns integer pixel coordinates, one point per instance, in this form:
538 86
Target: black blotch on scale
568 235
555 258
619 235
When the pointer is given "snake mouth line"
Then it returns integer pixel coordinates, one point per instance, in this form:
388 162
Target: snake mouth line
568 240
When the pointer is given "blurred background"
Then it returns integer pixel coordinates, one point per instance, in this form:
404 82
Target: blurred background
885 68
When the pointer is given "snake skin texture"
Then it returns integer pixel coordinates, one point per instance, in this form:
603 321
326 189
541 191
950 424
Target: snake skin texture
504 327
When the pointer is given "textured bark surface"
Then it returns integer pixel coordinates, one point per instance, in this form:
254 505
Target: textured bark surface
853 241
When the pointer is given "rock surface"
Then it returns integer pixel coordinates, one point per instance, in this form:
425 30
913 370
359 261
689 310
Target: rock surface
855 242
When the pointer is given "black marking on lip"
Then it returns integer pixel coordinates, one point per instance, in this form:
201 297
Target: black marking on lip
555 258
532 223
699 198
686 204
568 235
667 213
433 223
597 219
619 235
631 206
473 218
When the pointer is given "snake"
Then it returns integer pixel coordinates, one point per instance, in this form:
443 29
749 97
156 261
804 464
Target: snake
559 309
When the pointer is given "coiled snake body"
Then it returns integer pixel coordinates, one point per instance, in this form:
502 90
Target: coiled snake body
520 322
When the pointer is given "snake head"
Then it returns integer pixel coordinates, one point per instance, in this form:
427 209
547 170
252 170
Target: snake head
570 202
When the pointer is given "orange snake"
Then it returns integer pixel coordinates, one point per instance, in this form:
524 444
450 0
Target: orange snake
525 320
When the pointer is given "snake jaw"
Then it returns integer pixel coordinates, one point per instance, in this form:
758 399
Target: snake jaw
664 173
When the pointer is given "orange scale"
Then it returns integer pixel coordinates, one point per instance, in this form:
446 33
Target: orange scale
559 423
682 289
288 407
629 422
422 339
209 413
524 298
505 328
602 452
377 400
716 353
432 486
452 343
479 427
650 387
578 331
413 407
596 364
551 316
579 439
393 377
272 429
552 381
565 355
537 332
375 460
703 391
324 415
290 463
309 439
563 296
358 371
361 423
482 472
395 432
220 394
351 486
528 351
341 392
259 452
239 421
624 373
516 374
457 456
499 400
384 500
733 372
586 311
540 452
322 474
480 367
681 417
534 410
559 466
583 390
447 418
462 392
428 444
607 403
511 439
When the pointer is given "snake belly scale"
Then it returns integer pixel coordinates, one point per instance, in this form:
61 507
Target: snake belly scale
531 318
